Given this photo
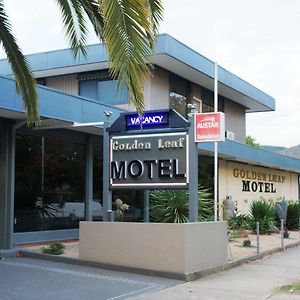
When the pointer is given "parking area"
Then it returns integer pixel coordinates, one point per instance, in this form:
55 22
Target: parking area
25 278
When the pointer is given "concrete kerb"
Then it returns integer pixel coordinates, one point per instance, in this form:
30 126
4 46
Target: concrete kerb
170 275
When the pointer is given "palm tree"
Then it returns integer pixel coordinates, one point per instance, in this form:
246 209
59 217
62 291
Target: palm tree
128 29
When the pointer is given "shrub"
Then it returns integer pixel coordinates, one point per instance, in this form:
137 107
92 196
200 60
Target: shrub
246 243
238 222
263 212
293 215
172 206
55 248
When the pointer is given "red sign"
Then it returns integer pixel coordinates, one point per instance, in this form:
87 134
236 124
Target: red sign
209 127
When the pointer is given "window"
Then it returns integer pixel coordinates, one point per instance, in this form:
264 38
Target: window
178 97
50 183
105 91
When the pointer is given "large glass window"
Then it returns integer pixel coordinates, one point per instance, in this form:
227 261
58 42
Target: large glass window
179 92
50 183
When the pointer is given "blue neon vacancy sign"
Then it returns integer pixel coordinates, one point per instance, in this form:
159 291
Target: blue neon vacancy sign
152 119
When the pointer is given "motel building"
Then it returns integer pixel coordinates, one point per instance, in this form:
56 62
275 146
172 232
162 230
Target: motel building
51 175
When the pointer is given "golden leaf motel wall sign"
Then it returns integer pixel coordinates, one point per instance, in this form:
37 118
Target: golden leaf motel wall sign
149 161
253 181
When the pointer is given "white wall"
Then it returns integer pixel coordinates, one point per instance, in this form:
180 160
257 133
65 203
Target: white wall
232 174
176 248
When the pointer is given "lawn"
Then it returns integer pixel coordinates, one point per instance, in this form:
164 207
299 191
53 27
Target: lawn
291 288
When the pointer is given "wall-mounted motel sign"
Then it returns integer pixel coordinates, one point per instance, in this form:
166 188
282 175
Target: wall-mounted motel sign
149 161
209 127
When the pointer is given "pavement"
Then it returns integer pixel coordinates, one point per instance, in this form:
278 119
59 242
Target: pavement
257 280
27 278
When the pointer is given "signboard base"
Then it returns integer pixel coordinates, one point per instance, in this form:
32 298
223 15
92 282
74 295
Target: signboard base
139 246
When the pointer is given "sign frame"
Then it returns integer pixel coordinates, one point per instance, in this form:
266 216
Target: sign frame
151 185
213 134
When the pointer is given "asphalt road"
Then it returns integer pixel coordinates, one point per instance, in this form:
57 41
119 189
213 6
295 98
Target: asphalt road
30 279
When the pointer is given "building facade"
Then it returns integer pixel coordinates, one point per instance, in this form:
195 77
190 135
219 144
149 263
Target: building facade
51 175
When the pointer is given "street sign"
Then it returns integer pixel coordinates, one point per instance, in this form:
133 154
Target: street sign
209 127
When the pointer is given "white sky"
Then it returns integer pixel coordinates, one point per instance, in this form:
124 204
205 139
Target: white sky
258 40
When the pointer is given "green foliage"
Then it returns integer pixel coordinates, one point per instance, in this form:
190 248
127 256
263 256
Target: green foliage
251 142
246 243
236 224
263 212
293 215
172 206
239 221
127 28
55 248
291 288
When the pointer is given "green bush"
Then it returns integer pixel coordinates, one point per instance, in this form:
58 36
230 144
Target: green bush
246 243
55 248
172 206
238 222
293 215
264 212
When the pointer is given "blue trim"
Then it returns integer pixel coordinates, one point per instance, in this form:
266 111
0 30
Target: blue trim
166 45
172 47
57 104
231 150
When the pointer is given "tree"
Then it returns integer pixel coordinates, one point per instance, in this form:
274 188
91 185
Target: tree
128 29
251 141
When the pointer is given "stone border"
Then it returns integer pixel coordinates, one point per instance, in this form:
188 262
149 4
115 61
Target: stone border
183 277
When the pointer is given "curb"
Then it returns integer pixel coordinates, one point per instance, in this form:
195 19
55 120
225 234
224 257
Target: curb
170 275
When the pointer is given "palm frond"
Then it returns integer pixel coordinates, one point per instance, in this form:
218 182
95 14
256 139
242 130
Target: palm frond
74 23
128 34
156 15
25 81
91 8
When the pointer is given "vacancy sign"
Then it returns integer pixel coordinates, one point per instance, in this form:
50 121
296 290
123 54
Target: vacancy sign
209 127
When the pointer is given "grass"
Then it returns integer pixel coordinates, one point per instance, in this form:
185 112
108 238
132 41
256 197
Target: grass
291 288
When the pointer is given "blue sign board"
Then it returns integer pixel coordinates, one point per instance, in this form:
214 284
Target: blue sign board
151 119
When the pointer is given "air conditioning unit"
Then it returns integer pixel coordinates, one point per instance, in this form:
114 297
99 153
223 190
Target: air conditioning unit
229 135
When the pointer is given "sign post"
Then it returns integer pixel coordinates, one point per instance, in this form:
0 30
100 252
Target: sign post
193 169
210 127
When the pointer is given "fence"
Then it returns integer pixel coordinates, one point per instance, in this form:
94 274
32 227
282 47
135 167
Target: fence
249 240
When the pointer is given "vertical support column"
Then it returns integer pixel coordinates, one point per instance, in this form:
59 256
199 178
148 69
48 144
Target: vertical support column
7 170
107 195
193 173
216 146
146 206
89 180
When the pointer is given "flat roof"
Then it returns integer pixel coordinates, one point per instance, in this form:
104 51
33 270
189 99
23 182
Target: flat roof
238 152
170 54
54 104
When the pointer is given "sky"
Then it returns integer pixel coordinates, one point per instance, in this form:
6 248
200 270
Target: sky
257 40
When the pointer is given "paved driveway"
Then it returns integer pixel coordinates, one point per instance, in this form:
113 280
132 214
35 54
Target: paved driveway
30 279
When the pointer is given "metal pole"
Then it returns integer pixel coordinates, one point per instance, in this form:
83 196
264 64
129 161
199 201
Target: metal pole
107 194
193 173
146 206
281 233
216 145
89 180
257 238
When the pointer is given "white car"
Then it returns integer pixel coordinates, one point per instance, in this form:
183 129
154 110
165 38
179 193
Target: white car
74 210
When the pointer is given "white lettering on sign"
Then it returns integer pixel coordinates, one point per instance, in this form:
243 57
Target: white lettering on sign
209 122
146 120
